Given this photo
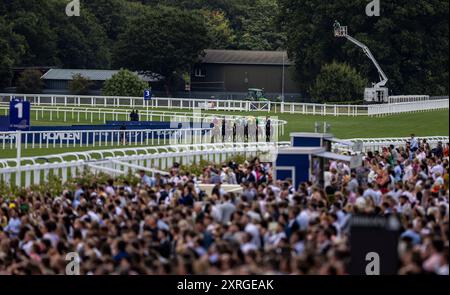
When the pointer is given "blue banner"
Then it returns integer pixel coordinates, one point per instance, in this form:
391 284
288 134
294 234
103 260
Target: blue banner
147 94
19 115
75 137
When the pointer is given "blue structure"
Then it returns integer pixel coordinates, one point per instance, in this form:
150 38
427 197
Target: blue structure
4 123
19 116
305 157
111 131
112 125
147 94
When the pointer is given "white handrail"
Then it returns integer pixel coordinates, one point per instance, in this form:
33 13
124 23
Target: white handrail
160 160
146 115
226 105
407 107
377 144
107 137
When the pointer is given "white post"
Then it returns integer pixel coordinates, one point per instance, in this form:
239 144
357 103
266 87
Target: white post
19 150
282 82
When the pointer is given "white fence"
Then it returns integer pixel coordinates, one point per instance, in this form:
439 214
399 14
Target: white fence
121 161
192 103
103 138
100 114
74 138
377 144
230 105
38 170
407 107
407 98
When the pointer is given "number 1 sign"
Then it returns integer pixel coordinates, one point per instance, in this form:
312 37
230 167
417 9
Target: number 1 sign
19 115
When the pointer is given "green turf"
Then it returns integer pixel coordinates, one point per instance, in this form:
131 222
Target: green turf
422 124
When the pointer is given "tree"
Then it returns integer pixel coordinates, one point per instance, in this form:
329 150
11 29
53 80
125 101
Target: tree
31 20
338 82
253 22
83 43
6 59
180 30
259 27
79 85
6 63
155 43
124 83
30 82
410 41
219 29
50 38
12 47
111 15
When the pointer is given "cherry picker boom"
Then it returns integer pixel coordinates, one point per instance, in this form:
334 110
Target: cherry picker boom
378 93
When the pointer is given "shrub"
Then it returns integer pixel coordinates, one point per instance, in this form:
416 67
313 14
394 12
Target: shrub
338 82
124 83
30 82
80 85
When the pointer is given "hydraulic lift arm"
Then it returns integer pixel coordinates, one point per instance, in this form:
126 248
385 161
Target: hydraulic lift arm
343 33
383 78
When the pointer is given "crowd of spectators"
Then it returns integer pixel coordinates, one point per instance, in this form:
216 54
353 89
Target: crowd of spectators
167 224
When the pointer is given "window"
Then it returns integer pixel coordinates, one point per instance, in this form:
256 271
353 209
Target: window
199 72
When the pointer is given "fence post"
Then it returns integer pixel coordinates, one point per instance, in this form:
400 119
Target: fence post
18 156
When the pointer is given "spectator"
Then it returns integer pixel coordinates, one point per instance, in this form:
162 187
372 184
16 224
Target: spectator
145 179
149 225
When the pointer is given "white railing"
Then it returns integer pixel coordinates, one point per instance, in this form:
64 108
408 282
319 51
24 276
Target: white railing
100 114
226 105
407 98
121 161
407 107
103 138
192 103
377 144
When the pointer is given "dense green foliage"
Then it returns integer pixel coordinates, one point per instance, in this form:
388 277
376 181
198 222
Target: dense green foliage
124 83
410 41
39 33
30 82
56 186
338 83
252 23
155 43
11 50
79 85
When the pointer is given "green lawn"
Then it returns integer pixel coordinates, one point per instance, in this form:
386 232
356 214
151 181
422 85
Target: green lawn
422 124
